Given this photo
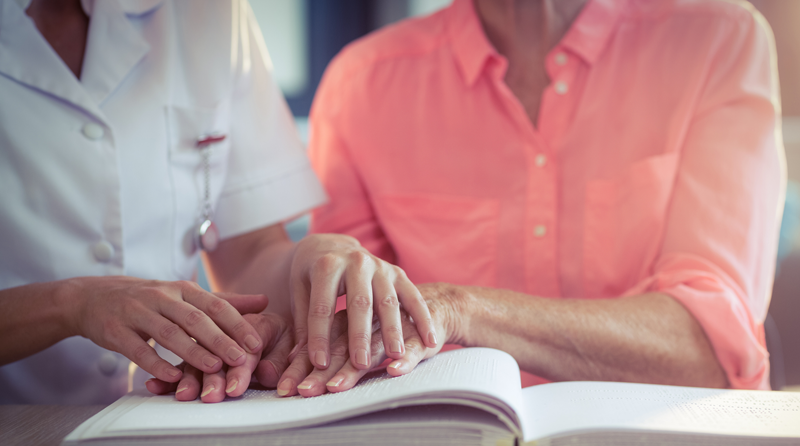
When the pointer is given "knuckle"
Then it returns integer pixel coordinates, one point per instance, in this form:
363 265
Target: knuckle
169 331
360 303
360 338
400 273
360 259
392 330
389 302
217 307
319 340
241 327
193 318
325 264
140 353
321 311
219 341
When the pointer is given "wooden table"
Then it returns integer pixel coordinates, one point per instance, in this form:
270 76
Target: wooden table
40 424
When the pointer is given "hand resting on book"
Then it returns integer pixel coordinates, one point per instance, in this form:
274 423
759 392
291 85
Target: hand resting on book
291 372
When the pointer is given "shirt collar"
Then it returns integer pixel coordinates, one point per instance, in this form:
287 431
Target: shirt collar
587 37
470 44
594 26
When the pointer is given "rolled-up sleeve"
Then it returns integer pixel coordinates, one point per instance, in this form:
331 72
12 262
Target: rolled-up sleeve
720 240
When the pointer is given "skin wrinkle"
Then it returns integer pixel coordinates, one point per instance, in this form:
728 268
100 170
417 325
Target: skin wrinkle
574 339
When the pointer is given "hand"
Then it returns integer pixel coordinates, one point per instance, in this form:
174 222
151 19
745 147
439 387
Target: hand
443 302
122 313
326 266
266 365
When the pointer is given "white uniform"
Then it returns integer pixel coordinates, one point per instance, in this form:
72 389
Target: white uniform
101 176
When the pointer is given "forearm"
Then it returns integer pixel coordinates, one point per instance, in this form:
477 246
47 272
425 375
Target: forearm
647 338
261 267
34 317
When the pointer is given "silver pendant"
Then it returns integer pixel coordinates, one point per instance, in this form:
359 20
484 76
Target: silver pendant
207 236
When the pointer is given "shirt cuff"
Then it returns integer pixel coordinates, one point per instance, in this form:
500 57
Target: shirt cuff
737 339
266 203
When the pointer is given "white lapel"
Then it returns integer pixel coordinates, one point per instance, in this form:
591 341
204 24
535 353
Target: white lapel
26 57
113 49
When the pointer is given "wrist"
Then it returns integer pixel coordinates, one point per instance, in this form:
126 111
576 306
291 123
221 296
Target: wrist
66 298
453 305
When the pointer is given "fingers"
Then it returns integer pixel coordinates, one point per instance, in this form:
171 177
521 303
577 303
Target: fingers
245 303
216 318
140 352
358 282
298 371
213 387
321 306
416 351
317 381
174 338
271 366
414 304
349 375
388 309
189 387
294 374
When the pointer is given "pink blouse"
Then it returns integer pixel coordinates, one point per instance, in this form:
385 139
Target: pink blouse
656 164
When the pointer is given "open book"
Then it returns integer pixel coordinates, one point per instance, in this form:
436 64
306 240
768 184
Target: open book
467 396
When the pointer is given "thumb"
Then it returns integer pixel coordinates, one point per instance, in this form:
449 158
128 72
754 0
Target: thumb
245 303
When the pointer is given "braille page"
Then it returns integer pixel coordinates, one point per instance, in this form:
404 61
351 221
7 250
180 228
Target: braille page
477 377
558 408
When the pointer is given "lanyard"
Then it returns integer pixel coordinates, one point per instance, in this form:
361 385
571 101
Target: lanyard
206 233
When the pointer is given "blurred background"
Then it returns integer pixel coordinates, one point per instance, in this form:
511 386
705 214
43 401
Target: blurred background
304 35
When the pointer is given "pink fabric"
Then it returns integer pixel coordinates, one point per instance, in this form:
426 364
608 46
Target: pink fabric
654 167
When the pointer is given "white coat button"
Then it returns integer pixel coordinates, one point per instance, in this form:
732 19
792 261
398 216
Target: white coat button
561 87
103 251
540 230
561 59
108 364
93 131
540 160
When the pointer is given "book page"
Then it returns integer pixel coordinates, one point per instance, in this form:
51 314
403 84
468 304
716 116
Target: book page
472 376
557 408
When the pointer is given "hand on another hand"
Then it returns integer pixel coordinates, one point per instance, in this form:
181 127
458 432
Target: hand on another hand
342 375
326 266
292 372
265 365
122 313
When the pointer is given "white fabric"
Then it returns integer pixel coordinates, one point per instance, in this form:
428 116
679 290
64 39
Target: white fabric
156 75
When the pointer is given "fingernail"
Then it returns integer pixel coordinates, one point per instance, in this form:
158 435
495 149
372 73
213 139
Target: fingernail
284 387
209 361
181 389
305 385
361 357
234 353
395 365
432 338
333 383
251 342
321 359
173 372
397 347
207 390
294 350
232 386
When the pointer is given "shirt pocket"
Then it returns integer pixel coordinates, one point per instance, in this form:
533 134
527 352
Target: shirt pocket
442 238
187 175
624 225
